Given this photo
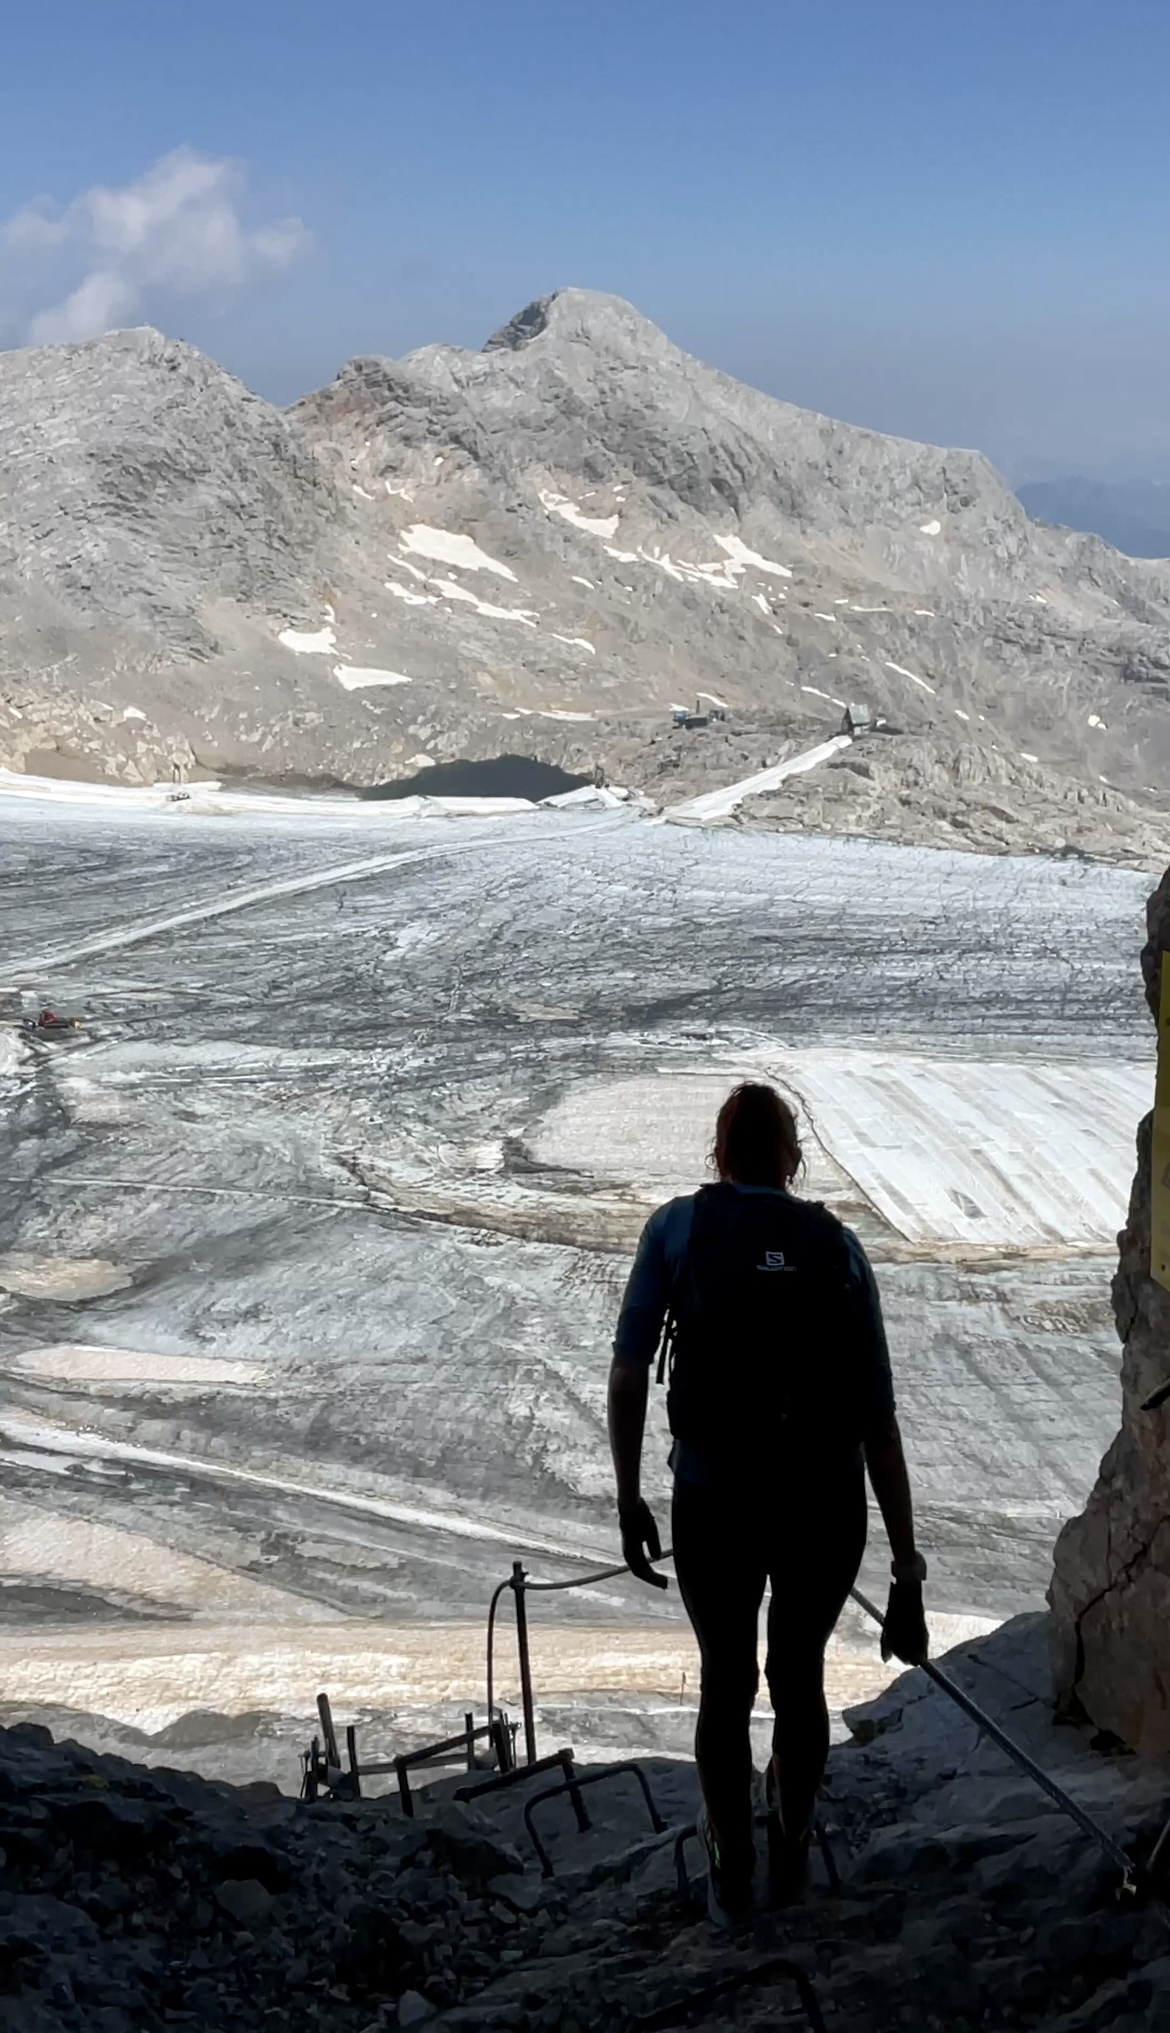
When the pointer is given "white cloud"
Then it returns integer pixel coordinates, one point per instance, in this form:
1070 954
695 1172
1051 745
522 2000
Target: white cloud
33 230
178 231
99 304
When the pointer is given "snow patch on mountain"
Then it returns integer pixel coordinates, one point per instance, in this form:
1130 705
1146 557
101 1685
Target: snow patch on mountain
593 525
452 590
902 672
355 678
309 642
742 556
447 547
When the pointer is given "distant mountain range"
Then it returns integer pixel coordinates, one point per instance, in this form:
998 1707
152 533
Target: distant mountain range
544 548
1132 515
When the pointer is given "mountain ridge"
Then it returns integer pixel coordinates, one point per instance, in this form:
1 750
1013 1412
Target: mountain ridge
577 526
1132 516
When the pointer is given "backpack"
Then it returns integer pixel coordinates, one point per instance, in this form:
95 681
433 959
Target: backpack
755 1326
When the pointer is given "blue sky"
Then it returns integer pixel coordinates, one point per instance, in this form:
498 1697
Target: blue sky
944 219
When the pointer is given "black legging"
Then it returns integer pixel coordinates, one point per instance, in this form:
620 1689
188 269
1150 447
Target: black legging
806 1537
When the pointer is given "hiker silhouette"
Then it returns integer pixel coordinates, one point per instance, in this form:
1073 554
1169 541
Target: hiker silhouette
766 1315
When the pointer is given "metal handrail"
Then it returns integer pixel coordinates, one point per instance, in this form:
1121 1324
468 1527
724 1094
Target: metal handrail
587 1580
519 1583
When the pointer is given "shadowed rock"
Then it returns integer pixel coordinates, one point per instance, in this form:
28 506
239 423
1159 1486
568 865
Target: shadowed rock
1110 1591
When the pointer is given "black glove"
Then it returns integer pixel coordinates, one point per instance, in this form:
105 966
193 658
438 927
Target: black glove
904 1632
639 1532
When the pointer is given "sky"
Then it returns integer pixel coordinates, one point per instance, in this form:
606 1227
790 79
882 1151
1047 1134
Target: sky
947 220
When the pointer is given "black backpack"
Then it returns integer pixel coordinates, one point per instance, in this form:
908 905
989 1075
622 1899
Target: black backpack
756 1332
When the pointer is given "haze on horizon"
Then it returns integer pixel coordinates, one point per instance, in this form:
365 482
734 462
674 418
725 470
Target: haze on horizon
944 223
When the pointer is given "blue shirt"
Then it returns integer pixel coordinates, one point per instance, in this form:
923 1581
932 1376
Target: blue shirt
659 1259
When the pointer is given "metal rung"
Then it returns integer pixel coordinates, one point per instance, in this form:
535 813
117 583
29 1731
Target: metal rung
443 1753
573 1787
432 1752
323 1770
557 1760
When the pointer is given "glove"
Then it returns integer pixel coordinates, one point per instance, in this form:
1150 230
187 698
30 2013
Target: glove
904 1632
639 1532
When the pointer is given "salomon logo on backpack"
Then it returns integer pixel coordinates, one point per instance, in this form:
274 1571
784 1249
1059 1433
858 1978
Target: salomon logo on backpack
751 1327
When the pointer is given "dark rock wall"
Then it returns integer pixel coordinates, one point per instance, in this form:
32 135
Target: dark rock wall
1110 1592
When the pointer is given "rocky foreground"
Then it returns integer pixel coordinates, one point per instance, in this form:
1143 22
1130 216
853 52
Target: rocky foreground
154 1899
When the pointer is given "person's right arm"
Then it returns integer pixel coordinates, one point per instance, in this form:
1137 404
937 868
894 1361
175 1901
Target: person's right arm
886 1462
904 1631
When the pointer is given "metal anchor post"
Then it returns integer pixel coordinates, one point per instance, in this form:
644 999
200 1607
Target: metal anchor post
518 1589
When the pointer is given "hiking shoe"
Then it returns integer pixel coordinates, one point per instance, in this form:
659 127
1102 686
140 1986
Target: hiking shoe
729 1894
787 1854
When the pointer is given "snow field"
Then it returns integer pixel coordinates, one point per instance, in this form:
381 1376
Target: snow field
945 1151
81 1362
428 1396
741 556
979 1151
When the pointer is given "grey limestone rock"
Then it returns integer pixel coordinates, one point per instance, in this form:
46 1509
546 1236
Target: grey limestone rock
549 542
947 1919
145 484
245 1900
1110 1592
467 1844
413 2009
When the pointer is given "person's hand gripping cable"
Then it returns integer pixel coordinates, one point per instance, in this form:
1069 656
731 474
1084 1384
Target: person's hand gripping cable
640 1542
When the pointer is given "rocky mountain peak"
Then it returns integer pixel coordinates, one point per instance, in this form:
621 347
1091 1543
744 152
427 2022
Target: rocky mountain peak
579 525
521 329
591 316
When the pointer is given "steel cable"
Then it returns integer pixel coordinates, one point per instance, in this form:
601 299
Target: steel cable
1067 1805
1107 1843
542 1588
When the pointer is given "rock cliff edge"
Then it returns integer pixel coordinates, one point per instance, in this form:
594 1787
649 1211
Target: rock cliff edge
1110 1592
